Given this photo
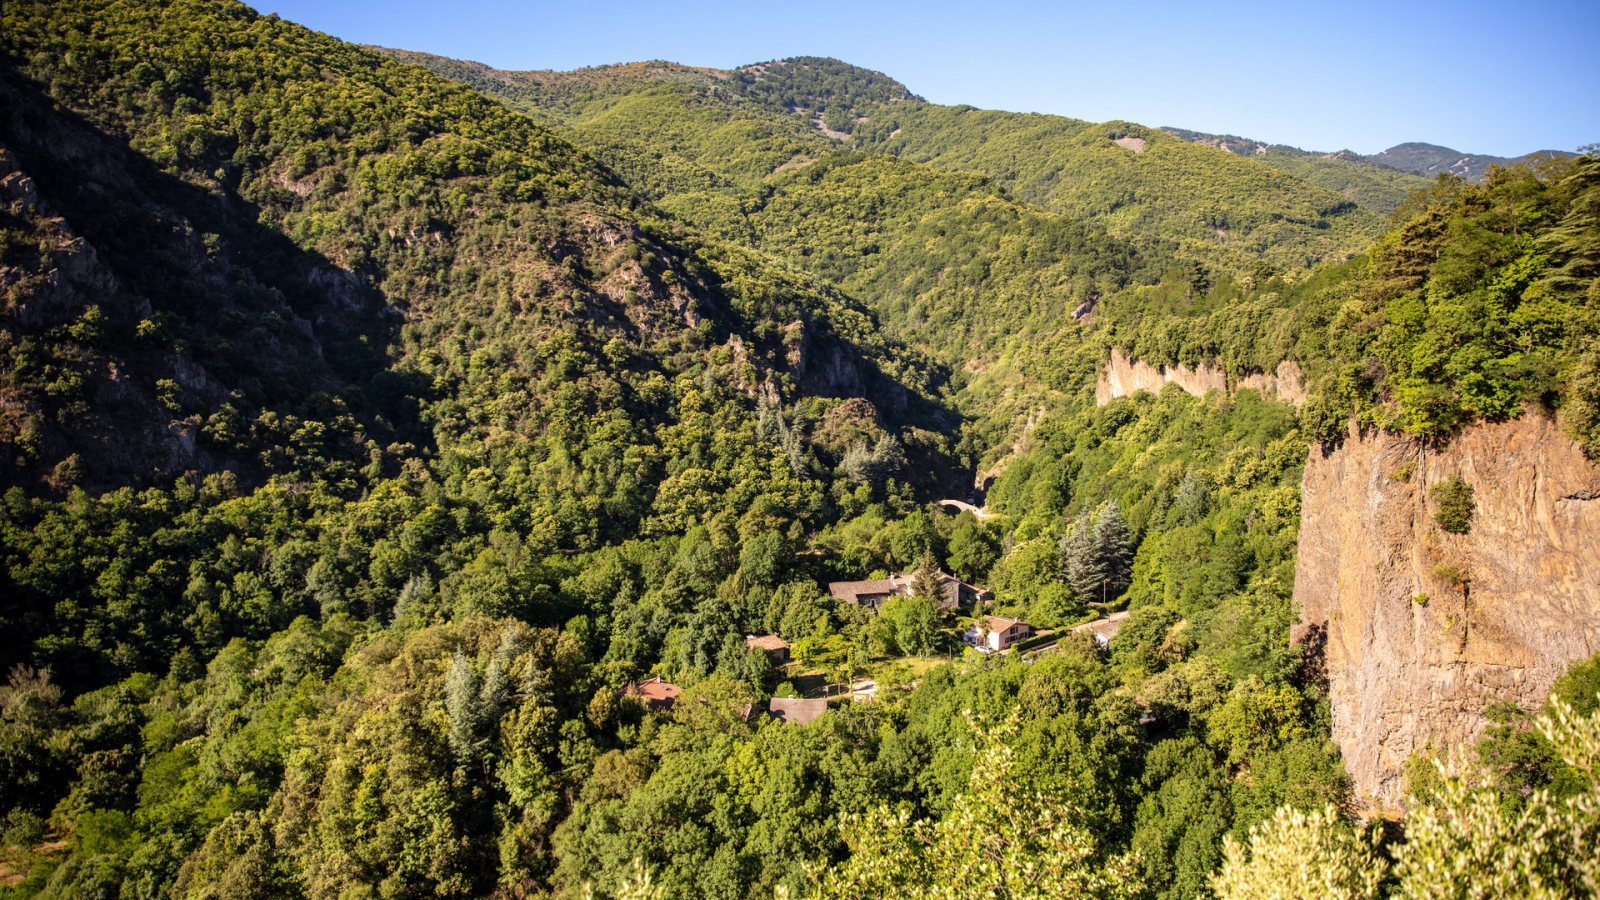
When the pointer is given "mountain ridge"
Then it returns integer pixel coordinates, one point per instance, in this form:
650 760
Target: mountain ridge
1415 157
1227 212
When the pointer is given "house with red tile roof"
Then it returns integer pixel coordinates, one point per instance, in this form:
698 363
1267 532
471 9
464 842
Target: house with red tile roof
993 634
658 692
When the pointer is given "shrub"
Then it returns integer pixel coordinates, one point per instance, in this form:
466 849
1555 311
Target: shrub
1298 854
1455 575
1453 505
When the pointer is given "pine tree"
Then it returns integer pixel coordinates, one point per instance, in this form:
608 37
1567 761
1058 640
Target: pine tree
496 691
1097 555
1575 243
1114 547
463 706
1190 499
773 429
928 581
876 466
1080 563
857 464
417 600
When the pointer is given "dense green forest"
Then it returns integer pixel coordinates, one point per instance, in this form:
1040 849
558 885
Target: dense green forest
1375 186
1481 304
969 269
1204 205
364 437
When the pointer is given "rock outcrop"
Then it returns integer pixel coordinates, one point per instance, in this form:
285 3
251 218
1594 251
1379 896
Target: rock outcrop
1123 376
1423 628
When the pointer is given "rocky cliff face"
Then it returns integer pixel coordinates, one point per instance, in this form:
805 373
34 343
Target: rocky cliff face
1424 628
1123 376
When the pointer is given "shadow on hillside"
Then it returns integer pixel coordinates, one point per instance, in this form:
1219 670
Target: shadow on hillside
257 322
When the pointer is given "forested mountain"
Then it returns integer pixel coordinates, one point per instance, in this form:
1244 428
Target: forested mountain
1372 184
1149 188
435 228
1432 159
366 440
950 261
992 286
1378 181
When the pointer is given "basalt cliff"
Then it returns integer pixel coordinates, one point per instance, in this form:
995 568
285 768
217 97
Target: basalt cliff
1123 377
1423 628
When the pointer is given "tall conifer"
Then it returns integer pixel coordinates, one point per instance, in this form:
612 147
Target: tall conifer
928 580
1114 546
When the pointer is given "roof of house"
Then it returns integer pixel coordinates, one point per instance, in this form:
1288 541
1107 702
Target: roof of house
850 590
768 642
1000 623
793 711
658 691
899 584
956 584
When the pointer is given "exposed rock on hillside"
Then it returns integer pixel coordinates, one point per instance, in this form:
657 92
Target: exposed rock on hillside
1123 376
1424 628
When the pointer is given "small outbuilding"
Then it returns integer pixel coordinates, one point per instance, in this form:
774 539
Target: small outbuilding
776 647
794 711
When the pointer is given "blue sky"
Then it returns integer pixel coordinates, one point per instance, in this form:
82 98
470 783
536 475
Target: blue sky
1502 78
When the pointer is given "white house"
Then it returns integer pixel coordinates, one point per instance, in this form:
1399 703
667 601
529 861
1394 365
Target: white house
992 634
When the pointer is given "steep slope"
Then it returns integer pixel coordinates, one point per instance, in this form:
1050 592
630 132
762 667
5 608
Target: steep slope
667 128
1375 186
1213 208
616 447
322 274
1118 173
1249 323
949 262
1463 347
1479 306
1424 628
1381 179
1139 182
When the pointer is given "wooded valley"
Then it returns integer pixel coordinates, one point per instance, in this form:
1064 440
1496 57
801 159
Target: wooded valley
380 432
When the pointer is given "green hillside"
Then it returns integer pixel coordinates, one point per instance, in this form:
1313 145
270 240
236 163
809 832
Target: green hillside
950 261
1215 207
367 441
1479 305
1212 207
532 354
1374 185
669 128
